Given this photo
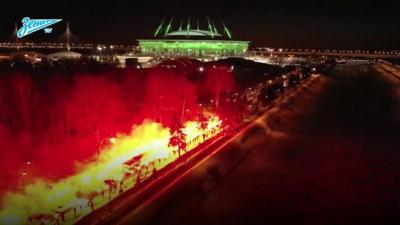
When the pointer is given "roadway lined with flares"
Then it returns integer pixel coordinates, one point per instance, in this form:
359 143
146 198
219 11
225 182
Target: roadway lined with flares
128 161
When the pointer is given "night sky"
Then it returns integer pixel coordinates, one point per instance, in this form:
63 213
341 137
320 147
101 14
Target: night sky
279 23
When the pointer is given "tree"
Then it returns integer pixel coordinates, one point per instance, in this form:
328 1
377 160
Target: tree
203 124
178 137
111 186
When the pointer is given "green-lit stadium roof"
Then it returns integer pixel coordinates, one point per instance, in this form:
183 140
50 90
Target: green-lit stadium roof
188 28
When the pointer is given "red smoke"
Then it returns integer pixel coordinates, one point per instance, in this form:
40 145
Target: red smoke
56 120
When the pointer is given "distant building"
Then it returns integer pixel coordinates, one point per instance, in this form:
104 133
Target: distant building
28 56
67 55
5 57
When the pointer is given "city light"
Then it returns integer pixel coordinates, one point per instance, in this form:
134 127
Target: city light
156 113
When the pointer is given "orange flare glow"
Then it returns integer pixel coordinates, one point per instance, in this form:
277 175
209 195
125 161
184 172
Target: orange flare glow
128 160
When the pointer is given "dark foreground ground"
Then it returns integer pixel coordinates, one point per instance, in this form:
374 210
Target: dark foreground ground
328 153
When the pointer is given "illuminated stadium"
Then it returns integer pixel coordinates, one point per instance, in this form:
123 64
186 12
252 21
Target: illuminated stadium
187 38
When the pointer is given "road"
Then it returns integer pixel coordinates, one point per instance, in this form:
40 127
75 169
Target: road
327 153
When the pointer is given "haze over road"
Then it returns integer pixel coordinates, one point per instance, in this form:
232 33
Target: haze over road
327 153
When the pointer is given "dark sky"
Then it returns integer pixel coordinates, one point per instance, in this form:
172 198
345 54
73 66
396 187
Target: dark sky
279 23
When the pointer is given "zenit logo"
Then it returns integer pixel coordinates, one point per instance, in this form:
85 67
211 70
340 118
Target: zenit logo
32 25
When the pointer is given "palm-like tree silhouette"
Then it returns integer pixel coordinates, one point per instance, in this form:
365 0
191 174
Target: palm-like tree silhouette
178 137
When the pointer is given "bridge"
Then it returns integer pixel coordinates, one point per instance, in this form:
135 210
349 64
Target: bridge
67 41
263 51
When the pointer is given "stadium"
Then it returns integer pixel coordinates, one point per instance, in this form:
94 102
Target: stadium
190 39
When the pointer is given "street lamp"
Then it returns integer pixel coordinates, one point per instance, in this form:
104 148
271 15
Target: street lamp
99 48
